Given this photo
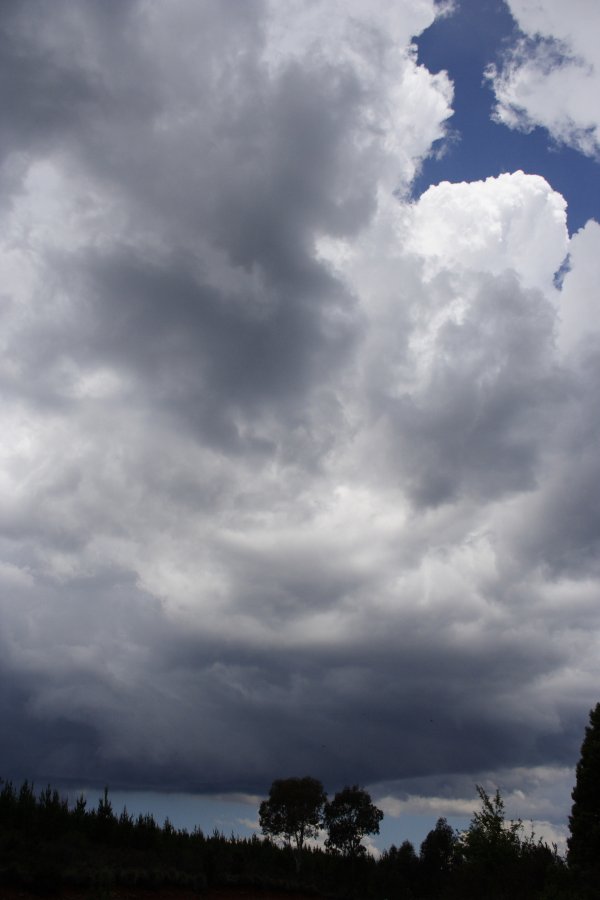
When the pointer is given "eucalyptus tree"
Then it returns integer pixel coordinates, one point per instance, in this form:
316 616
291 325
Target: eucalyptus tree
293 812
350 817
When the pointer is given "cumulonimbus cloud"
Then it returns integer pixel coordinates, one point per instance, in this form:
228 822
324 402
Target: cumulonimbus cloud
286 456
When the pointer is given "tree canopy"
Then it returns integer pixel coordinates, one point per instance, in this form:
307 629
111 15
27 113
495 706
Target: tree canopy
293 810
438 852
349 817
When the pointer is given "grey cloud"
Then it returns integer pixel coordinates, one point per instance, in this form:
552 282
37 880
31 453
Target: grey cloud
264 174
563 531
47 97
43 749
223 710
191 339
206 360
293 179
165 706
479 424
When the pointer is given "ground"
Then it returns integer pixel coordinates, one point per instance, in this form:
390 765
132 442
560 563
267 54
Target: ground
162 894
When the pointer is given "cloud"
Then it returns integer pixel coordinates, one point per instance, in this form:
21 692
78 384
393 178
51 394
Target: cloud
287 478
514 221
550 75
539 796
460 362
440 806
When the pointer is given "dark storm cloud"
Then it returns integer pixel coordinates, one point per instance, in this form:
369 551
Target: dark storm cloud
262 179
42 96
42 748
563 531
192 345
49 96
379 710
63 665
267 503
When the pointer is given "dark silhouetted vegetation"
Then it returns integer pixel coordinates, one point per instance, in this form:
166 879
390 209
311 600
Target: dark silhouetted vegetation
584 821
348 818
293 812
48 846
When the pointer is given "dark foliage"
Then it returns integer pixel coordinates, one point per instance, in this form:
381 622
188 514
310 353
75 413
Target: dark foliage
350 817
47 846
400 872
293 811
499 859
584 821
439 857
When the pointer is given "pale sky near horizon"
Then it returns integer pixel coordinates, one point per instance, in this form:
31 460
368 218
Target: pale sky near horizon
300 373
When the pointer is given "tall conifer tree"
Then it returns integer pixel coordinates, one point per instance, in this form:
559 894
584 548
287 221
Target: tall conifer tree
584 821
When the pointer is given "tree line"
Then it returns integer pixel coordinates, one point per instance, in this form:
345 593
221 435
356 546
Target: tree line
492 858
48 844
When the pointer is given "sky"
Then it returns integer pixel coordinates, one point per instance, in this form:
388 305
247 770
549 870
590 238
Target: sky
299 402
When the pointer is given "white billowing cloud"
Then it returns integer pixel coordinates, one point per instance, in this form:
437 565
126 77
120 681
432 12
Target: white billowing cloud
575 23
551 77
343 30
514 221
